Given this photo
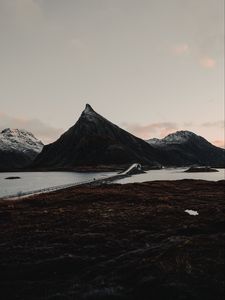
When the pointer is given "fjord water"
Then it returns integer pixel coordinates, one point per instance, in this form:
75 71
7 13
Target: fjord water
37 181
173 174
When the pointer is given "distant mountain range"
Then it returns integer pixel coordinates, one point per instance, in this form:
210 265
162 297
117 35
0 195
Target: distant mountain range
18 148
94 142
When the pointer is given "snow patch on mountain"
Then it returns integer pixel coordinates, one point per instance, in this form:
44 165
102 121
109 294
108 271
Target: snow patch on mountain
178 137
19 140
90 115
154 141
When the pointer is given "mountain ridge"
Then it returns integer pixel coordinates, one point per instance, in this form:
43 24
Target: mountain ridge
94 142
185 145
180 136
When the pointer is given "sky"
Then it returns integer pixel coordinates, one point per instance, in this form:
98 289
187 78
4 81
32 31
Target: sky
150 66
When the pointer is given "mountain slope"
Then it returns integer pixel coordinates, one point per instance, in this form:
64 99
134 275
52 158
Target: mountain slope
185 148
17 148
93 140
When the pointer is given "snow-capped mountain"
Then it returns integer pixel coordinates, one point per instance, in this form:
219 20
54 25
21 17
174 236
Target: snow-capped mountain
186 148
18 148
178 137
19 140
94 140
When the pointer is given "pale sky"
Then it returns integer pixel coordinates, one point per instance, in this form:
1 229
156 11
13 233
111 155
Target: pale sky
150 66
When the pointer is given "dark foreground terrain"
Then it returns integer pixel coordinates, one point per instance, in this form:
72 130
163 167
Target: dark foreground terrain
115 242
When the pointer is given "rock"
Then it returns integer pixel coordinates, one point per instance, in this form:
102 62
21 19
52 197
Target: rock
200 169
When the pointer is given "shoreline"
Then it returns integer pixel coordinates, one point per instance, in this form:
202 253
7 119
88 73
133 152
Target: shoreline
94 182
103 168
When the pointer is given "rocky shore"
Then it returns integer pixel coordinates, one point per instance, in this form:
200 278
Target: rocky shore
131 241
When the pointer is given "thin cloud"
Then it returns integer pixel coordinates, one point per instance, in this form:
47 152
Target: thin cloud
188 124
151 130
207 62
204 60
162 129
42 131
218 124
181 49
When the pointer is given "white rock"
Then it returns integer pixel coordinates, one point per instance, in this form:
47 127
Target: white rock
191 212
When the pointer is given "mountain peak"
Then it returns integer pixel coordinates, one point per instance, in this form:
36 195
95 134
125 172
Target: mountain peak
9 130
179 136
88 109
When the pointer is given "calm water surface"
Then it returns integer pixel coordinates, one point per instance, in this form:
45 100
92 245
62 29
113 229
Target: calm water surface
36 181
173 174
47 181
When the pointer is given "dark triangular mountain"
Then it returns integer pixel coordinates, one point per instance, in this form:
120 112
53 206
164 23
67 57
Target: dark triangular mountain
186 148
93 140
